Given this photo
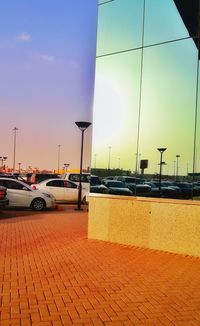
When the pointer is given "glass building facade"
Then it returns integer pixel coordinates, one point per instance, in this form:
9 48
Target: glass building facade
146 91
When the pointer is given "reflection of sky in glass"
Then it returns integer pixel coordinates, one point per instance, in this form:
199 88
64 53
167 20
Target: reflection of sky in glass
116 20
116 106
168 102
163 22
168 93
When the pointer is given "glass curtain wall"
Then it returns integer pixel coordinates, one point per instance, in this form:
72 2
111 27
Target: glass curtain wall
146 113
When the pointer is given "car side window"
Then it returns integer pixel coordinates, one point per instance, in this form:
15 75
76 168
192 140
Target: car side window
11 184
68 184
55 183
74 177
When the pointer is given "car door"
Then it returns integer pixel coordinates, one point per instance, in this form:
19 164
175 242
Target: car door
70 191
17 193
56 188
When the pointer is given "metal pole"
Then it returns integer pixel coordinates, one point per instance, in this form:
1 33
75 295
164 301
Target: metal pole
80 181
136 162
15 132
160 176
19 167
177 157
58 158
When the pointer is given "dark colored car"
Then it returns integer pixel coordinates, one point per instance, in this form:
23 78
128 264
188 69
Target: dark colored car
165 191
96 186
13 176
135 185
3 199
186 189
39 177
116 187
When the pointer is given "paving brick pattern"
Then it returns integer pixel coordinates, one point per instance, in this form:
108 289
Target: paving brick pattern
51 274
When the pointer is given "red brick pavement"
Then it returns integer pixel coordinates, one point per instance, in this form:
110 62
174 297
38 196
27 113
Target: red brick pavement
51 274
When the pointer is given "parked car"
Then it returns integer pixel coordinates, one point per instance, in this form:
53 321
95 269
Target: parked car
62 190
116 187
186 189
75 177
13 176
165 191
20 194
39 177
135 185
96 186
3 199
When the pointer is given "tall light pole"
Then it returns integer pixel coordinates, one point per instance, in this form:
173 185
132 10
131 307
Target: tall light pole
15 136
136 162
82 125
66 165
109 151
177 157
19 167
3 159
161 150
174 169
59 157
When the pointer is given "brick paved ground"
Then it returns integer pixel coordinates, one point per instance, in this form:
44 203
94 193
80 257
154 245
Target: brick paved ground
50 274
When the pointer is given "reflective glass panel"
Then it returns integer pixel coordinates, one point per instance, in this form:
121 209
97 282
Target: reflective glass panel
168 109
119 26
115 114
163 22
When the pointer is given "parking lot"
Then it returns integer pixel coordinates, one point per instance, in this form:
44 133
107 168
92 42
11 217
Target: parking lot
51 274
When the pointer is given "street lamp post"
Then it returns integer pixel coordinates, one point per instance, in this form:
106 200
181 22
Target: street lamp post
59 157
161 150
82 125
19 167
137 160
3 159
15 136
177 157
109 151
66 165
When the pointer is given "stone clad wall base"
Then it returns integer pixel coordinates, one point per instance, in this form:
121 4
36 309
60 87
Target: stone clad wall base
168 225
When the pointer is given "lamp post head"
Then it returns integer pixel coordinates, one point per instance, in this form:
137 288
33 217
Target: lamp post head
178 156
82 125
161 150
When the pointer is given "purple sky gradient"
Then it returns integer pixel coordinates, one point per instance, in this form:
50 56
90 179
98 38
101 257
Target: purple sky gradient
47 62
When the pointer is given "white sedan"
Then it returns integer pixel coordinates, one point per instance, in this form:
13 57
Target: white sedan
20 194
62 190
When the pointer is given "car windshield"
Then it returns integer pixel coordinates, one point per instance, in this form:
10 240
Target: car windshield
130 180
184 185
76 178
115 184
95 180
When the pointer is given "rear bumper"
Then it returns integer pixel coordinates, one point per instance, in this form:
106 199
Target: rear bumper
4 202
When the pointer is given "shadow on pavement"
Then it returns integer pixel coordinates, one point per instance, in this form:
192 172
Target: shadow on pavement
19 212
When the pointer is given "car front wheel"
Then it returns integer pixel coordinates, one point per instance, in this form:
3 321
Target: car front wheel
38 204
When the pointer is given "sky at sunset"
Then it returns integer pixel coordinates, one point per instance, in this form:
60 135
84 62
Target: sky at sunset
47 61
168 87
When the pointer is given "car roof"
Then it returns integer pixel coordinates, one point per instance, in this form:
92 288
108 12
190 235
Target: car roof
16 180
52 179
